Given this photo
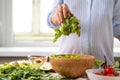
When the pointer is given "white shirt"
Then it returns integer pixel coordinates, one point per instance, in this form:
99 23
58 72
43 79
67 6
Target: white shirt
98 20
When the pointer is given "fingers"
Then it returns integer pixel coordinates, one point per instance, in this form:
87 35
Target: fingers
58 18
65 10
61 13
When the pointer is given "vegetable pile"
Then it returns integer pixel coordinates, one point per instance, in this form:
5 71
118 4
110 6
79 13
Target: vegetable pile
24 71
68 26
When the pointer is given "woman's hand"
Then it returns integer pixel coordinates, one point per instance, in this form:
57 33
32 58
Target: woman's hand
60 13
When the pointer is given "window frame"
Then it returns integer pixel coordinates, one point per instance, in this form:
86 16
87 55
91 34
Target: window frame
34 38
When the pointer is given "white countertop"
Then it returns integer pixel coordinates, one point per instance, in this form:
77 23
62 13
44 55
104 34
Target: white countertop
25 51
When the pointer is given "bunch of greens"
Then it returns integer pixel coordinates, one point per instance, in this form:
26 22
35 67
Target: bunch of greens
66 56
24 71
68 26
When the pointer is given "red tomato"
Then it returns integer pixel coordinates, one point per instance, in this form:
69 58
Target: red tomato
109 70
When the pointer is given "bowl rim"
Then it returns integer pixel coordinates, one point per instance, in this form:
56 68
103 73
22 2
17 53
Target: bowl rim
90 57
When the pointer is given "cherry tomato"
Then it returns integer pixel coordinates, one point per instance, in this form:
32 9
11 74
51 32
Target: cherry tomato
109 70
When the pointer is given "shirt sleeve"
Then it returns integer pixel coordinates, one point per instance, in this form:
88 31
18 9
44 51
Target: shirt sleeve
116 19
55 4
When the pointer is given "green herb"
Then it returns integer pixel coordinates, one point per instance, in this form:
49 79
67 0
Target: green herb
68 26
24 71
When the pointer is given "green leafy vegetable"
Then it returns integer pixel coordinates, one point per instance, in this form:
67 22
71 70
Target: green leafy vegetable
68 26
66 56
98 63
24 71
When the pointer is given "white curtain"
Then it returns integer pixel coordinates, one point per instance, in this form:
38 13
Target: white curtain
6 34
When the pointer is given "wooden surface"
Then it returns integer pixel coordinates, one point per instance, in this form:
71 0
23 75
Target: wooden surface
9 59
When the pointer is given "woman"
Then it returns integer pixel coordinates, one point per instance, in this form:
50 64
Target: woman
98 20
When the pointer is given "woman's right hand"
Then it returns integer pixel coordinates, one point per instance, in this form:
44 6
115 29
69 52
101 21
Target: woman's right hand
60 13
